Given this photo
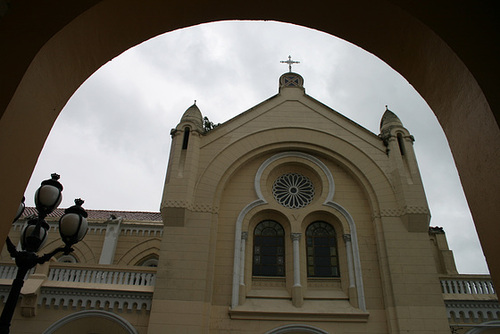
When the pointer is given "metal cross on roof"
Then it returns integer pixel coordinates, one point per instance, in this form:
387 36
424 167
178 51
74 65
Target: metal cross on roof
289 62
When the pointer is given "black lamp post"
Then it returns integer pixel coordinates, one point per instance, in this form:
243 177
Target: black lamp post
72 228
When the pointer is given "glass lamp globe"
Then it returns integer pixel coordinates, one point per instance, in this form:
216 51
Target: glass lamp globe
49 195
73 224
34 235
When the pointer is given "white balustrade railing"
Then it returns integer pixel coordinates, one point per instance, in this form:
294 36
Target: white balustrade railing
10 271
467 286
98 276
94 274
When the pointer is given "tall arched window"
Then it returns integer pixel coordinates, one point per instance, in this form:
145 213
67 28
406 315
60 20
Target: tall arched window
322 256
269 249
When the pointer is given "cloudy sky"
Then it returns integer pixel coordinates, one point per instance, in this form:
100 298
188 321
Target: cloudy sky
111 142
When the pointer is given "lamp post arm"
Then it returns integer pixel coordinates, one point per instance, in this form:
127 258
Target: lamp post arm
11 248
45 257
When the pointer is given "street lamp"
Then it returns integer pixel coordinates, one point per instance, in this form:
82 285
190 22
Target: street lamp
72 228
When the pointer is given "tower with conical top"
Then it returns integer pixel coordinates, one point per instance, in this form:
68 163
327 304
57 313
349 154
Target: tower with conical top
405 175
182 167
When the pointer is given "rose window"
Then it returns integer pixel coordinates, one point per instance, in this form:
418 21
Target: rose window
293 190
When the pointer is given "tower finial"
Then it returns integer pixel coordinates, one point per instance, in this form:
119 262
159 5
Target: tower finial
289 62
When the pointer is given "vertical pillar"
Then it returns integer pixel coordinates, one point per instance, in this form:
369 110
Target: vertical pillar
297 293
243 293
110 240
350 268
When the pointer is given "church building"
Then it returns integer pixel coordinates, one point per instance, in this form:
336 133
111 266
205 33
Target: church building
290 214
288 218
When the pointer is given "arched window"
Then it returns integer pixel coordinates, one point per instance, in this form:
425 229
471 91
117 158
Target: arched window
67 259
269 249
322 257
185 139
148 261
401 144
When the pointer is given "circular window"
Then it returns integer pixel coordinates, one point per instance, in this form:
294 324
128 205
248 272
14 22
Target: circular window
293 190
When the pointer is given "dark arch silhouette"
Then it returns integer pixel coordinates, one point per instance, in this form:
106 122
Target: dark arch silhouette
120 323
446 50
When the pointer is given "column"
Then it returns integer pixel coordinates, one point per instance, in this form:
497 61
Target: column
297 293
242 290
350 268
110 240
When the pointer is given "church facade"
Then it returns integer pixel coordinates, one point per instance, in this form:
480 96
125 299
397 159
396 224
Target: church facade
288 218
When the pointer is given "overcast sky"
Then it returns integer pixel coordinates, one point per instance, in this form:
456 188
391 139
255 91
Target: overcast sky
111 142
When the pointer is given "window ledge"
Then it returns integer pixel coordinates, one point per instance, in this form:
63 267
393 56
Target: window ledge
311 310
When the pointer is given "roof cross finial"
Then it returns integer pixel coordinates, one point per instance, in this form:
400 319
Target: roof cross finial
289 62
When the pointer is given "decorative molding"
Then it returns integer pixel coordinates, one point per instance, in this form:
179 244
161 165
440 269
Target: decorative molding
244 235
347 238
95 299
197 207
296 329
472 311
142 230
299 316
353 257
295 236
316 161
324 283
268 283
398 212
351 248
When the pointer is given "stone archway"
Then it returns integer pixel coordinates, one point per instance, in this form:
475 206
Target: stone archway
446 51
93 321
296 329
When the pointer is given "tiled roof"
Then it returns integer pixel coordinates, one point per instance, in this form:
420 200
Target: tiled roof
103 214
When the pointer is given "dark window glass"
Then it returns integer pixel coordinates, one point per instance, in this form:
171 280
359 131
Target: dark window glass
269 249
185 139
322 260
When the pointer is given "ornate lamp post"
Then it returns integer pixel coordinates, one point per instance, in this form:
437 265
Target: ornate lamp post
72 228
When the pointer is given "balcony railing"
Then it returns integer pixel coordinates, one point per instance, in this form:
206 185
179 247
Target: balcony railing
116 275
468 285
100 276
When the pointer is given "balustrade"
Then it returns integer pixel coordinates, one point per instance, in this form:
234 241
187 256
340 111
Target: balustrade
470 286
63 273
96 276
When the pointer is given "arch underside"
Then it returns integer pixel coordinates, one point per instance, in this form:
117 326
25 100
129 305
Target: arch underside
446 51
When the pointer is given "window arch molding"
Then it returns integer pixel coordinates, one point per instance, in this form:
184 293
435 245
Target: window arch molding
296 329
345 248
255 217
238 259
339 222
81 251
322 251
140 251
269 249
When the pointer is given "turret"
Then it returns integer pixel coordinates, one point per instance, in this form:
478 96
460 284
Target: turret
182 168
405 175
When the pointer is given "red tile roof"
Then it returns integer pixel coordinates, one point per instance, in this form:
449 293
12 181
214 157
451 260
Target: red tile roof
103 214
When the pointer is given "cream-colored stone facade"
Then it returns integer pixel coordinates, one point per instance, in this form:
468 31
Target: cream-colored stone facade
288 164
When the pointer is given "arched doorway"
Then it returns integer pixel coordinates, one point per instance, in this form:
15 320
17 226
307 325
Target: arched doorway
91 321
54 51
